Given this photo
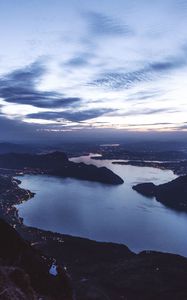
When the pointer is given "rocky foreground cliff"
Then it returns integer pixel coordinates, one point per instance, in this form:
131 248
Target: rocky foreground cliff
97 270
24 271
89 270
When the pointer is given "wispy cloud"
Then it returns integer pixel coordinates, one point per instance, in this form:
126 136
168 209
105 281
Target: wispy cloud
144 111
80 59
151 71
100 24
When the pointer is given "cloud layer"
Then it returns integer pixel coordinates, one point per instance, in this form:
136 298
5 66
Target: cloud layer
104 64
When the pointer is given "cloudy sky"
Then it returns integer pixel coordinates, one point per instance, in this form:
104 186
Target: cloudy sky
80 65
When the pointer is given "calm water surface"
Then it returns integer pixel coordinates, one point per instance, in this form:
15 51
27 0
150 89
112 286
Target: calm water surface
106 213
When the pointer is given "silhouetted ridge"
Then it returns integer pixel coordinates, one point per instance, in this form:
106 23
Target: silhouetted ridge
57 163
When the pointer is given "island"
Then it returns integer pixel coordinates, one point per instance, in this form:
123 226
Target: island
57 164
172 194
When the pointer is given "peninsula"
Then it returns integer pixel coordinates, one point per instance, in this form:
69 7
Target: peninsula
172 194
57 164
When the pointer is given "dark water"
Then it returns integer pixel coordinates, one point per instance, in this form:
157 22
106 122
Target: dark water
106 213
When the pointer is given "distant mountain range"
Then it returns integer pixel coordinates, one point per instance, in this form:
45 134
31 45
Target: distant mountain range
16 148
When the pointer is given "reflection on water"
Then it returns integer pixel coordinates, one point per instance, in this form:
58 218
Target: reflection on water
106 213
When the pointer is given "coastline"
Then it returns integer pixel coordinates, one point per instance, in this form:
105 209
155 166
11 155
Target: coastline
100 269
178 168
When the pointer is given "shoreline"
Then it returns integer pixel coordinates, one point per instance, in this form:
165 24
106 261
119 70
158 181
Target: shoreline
176 167
96 267
14 196
11 213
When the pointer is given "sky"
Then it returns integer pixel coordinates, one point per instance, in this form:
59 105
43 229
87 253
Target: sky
72 67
